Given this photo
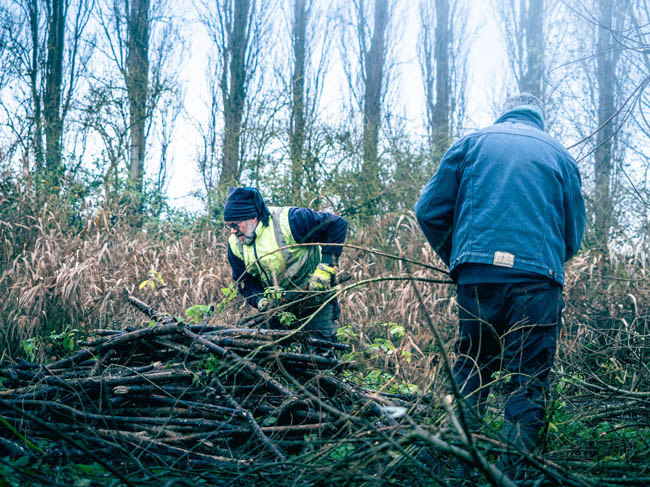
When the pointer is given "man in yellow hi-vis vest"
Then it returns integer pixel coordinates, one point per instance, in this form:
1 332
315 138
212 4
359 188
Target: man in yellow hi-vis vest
263 256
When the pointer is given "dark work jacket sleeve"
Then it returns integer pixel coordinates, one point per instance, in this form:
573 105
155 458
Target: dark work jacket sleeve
308 226
249 286
434 209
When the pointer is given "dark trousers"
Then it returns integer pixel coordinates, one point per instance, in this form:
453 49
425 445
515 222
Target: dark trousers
511 328
319 324
322 324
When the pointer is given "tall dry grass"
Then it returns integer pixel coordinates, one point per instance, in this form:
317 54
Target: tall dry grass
79 280
606 337
52 278
370 309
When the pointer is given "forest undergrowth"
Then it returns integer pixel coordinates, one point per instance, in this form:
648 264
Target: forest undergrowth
61 283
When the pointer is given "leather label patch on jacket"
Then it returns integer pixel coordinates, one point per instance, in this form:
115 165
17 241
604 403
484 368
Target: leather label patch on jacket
503 259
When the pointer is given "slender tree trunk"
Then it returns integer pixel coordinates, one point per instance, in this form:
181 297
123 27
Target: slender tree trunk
53 90
34 81
233 89
428 66
375 60
441 109
137 84
604 140
297 128
524 33
532 12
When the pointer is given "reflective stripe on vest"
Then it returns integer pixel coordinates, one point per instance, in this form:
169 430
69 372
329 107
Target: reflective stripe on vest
286 267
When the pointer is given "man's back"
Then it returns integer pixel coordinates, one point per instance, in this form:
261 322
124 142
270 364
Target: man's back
511 194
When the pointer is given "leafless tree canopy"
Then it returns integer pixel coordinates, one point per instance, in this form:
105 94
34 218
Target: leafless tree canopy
525 23
97 83
236 31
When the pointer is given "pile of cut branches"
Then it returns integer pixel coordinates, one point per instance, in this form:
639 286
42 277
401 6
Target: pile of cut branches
243 405
184 396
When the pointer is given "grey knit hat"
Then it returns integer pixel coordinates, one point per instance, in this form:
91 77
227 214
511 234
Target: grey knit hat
523 99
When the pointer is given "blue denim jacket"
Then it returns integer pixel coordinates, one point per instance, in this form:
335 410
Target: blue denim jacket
507 195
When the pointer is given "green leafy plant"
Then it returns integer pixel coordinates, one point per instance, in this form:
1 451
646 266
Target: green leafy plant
395 331
346 334
30 347
155 279
286 318
274 293
198 312
566 382
406 355
210 364
377 379
404 387
270 420
341 451
502 375
564 426
66 341
353 356
381 345
374 379
229 293
615 370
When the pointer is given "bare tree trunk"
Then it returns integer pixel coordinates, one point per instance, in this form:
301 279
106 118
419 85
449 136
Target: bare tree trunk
428 64
636 10
53 89
375 59
233 88
523 28
605 78
533 22
209 159
236 29
441 109
443 66
35 57
137 85
297 124
33 10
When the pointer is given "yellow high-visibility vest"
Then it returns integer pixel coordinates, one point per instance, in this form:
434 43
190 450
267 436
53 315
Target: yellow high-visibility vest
287 268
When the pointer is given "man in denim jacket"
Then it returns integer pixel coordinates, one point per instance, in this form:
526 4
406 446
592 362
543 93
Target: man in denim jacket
504 212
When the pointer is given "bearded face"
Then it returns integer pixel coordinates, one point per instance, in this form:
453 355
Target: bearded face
244 230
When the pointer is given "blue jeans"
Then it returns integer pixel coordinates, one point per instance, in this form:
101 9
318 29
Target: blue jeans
511 328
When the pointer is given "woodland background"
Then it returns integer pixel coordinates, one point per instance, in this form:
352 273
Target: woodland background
91 93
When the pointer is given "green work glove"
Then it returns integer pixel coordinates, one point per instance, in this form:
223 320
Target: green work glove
264 304
321 279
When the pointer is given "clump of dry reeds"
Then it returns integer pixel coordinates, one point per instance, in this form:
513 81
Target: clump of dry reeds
393 257
62 278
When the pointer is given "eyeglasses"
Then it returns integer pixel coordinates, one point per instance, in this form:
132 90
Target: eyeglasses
233 226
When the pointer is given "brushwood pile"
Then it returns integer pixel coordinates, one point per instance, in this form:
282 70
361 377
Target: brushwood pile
199 396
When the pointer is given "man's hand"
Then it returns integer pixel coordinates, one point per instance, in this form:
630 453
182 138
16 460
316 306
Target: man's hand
264 304
321 279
